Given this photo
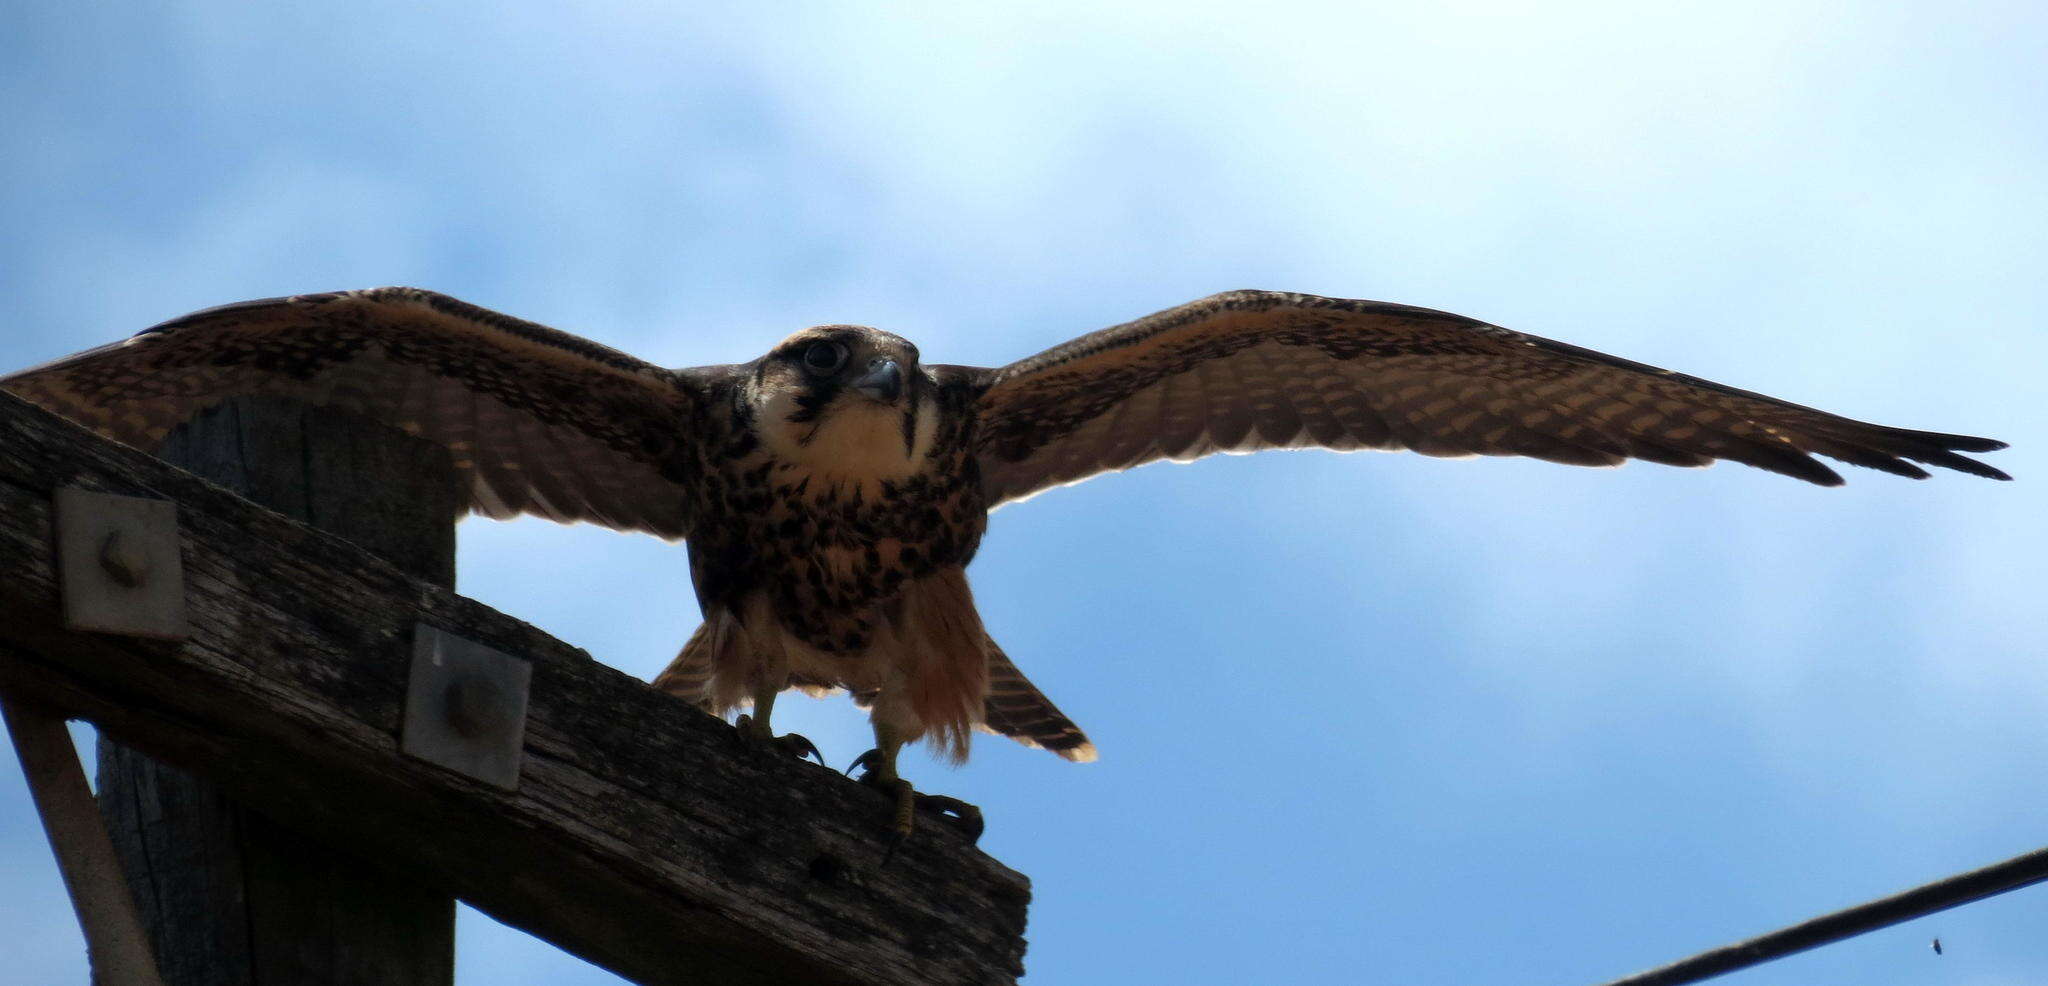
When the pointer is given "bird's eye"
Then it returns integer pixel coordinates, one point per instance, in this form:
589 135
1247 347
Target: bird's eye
824 358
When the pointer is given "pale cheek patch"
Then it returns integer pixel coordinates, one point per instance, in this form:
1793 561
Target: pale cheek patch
854 440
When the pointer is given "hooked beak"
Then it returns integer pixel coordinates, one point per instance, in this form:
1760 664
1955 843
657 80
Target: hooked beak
883 381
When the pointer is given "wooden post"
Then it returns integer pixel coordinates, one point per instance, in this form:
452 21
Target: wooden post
230 897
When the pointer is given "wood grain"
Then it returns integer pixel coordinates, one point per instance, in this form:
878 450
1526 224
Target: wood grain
643 836
231 897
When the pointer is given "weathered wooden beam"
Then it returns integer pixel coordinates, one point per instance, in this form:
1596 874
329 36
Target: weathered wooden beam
116 945
642 837
230 897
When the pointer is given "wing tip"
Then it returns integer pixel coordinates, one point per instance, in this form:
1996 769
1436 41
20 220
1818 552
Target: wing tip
1969 443
1938 449
1894 462
1987 472
1895 450
1799 465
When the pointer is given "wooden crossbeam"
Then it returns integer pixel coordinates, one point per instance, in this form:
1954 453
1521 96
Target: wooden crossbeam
642 836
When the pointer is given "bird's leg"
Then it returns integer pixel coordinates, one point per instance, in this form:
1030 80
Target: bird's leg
881 773
754 730
880 764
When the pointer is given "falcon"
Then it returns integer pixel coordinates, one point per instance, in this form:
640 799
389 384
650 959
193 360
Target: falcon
833 491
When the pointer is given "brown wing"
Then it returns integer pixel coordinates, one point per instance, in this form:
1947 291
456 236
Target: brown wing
1253 370
539 421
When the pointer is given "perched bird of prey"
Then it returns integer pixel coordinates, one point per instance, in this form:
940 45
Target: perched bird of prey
833 491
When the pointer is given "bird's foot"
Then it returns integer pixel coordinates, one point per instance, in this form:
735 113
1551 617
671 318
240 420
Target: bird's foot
961 816
755 733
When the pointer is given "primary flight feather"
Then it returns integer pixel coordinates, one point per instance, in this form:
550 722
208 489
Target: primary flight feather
832 491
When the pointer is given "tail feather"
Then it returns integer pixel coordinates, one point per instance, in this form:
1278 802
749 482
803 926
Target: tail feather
1017 709
942 675
689 676
710 673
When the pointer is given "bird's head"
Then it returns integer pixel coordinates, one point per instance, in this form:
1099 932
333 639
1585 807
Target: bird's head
845 399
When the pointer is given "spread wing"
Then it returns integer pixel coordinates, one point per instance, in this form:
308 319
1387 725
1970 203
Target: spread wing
1253 370
539 421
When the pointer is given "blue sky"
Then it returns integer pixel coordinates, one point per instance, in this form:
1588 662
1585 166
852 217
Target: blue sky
1363 718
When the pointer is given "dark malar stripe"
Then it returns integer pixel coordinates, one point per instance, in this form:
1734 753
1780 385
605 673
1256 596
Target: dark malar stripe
910 421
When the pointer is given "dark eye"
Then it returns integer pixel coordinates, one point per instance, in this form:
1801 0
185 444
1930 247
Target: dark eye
824 358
